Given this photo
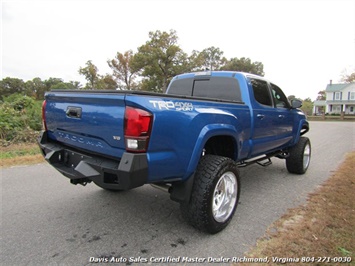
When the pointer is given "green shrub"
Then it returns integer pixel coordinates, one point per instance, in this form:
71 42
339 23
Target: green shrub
20 116
35 113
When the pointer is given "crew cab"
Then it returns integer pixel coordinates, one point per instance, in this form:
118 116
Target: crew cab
190 140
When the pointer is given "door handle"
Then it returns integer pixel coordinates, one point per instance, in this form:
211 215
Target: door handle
281 116
260 116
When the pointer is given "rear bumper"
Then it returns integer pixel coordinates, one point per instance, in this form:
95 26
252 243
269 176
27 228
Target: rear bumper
80 167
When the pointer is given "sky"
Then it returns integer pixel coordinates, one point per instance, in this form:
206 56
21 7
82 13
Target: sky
302 44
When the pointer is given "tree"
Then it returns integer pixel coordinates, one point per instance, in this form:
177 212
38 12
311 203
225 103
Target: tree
35 88
10 86
211 58
106 83
321 96
125 70
160 58
96 81
347 78
75 85
52 81
195 61
38 88
66 86
90 72
244 65
307 106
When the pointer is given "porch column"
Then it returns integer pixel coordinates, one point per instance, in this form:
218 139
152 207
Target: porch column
330 108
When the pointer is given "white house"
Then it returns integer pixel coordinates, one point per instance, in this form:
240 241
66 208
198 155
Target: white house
339 98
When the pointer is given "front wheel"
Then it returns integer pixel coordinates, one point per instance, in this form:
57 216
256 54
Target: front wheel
214 196
300 157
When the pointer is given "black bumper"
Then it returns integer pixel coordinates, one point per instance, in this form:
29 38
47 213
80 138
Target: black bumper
129 172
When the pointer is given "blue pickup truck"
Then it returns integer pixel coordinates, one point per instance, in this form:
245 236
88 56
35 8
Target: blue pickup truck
190 141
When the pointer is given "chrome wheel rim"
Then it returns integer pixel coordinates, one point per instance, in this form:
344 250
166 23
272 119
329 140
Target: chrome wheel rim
306 156
224 197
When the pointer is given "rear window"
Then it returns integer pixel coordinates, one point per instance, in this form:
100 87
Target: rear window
223 88
181 87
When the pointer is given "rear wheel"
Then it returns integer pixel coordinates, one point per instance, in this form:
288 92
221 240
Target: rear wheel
214 196
300 157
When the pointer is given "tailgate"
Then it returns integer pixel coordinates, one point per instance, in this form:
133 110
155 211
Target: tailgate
92 121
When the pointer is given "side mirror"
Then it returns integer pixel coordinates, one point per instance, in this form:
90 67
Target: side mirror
296 104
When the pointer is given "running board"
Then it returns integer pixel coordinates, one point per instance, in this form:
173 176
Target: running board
263 160
264 163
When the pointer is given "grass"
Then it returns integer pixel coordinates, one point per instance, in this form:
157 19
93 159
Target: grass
17 154
322 228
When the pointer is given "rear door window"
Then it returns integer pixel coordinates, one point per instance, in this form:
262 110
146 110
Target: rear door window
261 92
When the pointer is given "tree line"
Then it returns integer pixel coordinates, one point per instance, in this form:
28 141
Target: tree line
150 68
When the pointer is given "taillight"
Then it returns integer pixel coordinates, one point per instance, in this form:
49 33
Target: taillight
137 129
44 115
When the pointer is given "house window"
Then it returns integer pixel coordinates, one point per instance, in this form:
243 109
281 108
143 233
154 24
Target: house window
352 95
337 96
351 109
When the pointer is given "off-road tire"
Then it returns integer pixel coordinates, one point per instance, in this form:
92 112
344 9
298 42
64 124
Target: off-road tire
300 156
199 210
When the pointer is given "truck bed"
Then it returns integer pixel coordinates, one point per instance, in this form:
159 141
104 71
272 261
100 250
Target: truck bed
93 121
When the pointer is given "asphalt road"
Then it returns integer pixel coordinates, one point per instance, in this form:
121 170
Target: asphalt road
47 221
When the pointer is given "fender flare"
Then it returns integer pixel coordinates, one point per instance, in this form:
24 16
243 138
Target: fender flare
303 128
181 191
207 132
